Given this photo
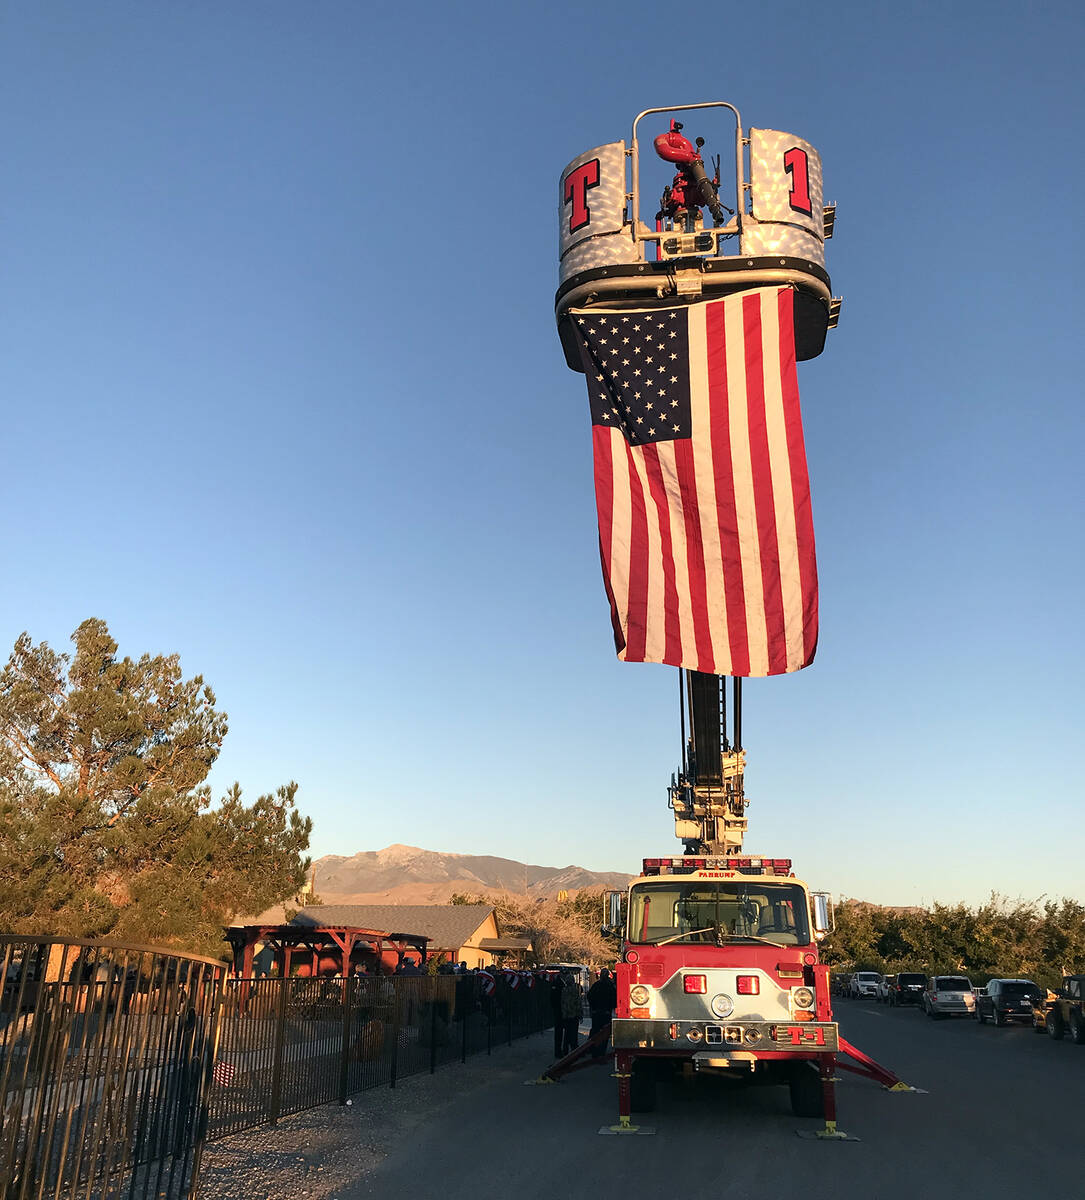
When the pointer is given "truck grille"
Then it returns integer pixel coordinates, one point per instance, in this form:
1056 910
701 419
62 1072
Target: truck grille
675 1036
731 1035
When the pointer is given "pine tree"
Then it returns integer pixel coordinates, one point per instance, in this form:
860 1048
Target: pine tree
106 824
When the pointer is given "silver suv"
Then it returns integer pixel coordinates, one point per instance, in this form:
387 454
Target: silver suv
947 996
864 983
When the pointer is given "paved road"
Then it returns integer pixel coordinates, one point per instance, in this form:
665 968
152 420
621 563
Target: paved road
985 1128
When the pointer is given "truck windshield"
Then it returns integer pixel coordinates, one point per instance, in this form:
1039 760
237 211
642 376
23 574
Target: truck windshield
710 912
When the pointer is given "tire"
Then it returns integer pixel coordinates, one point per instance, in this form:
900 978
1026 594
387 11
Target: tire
807 1097
997 1017
980 1017
1056 1030
1077 1029
642 1087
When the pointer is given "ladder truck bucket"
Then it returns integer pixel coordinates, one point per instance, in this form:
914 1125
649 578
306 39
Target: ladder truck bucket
769 223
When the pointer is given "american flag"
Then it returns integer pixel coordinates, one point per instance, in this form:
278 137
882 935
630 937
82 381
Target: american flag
223 1074
705 527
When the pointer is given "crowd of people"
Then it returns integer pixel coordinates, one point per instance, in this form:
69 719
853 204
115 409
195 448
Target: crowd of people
566 1005
566 997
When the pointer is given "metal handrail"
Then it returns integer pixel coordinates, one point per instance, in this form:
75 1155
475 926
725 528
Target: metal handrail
634 151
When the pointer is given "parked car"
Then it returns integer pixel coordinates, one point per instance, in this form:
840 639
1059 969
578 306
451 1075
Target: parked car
1066 1010
864 983
948 996
1005 1000
885 986
907 988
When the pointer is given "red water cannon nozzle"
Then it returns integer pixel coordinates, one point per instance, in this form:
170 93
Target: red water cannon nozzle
691 187
673 147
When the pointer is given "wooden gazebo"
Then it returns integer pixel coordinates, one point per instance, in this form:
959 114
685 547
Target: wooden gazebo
324 949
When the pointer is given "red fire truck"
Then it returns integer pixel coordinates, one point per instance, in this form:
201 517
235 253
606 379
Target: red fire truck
719 967
720 974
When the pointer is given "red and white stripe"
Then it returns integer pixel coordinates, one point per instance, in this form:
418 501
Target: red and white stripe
708 542
223 1073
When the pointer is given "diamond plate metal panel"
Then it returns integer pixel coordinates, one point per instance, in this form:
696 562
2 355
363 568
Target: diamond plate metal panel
786 193
591 205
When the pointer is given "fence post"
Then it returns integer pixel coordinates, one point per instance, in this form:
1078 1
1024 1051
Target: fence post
395 1037
277 1062
463 1026
433 1028
344 1057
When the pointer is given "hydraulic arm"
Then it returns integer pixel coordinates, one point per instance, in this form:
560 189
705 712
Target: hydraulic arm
707 796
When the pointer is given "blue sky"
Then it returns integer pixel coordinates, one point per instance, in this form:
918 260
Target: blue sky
282 393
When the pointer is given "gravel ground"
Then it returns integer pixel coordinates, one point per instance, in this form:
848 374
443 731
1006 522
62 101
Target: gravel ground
325 1153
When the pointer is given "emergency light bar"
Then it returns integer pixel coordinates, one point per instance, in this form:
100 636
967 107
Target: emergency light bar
685 865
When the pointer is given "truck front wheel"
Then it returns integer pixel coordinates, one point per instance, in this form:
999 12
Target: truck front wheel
1055 1028
807 1098
1077 1028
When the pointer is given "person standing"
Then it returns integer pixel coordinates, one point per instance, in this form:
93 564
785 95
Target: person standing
602 1000
557 985
571 1006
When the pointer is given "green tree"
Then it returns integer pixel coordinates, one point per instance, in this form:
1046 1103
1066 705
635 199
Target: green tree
106 824
853 943
998 938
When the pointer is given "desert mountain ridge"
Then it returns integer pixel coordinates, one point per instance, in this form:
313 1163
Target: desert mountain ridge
410 875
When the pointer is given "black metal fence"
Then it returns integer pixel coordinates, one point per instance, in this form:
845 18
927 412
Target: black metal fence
105 1068
291 1044
118 1062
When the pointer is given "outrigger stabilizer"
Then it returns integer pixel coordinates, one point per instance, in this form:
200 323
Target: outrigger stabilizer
575 1059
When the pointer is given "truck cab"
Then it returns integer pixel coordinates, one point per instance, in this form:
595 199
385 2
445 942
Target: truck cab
720 973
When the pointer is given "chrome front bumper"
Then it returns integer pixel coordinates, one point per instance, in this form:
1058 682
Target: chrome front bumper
799 1037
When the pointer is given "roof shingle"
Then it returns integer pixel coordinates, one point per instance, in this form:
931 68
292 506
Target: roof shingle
448 926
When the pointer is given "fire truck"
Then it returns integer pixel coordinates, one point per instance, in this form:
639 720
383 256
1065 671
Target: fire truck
719 968
720 973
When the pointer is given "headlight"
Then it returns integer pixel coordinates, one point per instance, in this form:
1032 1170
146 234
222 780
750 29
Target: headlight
638 994
722 1005
803 997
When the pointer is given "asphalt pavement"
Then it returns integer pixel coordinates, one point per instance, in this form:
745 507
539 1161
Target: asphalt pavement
999 1115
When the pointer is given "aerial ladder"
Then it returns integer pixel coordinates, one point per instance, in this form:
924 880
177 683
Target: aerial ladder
708 794
719 969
